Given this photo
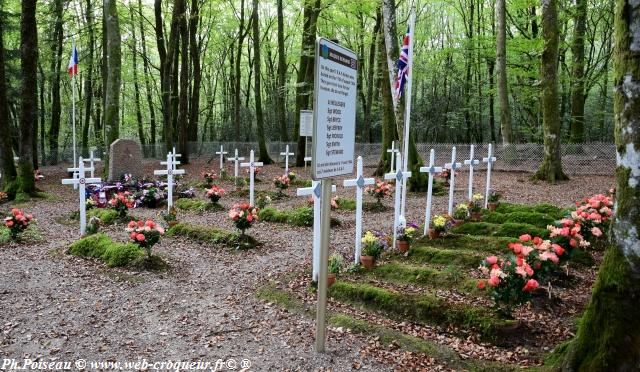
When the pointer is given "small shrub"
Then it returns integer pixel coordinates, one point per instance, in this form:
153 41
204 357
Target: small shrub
346 204
118 254
100 246
335 263
106 216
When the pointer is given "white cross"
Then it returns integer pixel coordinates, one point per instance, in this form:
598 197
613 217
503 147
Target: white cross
452 166
490 159
252 164
359 182
286 155
173 160
169 172
432 170
399 176
315 191
222 153
471 162
393 150
91 161
236 160
80 181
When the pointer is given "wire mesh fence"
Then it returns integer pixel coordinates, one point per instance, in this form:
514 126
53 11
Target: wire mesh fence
594 158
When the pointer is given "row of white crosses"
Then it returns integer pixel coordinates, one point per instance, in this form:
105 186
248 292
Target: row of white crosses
170 171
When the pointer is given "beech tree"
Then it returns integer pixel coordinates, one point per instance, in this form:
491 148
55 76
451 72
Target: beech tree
6 151
113 63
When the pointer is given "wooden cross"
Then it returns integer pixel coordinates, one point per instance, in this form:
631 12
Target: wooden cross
286 155
452 166
315 191
91 161
169 172
359 182
222 153
490 159
399 175
236 159
252 164
432 170
471 162
80 182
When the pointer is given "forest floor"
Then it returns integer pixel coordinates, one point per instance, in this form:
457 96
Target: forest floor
218 303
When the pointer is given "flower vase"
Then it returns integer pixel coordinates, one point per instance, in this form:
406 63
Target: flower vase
402 245
331 278
434 234
476 216
492 206
367 261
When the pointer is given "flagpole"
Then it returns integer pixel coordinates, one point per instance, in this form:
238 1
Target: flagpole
73 108
407 113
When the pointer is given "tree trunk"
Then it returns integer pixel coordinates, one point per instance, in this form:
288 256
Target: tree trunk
194 107
88 83
501 67
262 143
111 120
147 84
551 168
368 135
577 78
389 133
54 129
136 86
238 75
281 95
608 338
28 95
6 150
305 79
183 103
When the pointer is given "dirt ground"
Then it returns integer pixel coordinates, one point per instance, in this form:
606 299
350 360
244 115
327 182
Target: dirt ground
56 307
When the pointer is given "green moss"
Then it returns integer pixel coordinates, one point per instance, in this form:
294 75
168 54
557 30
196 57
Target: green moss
5 235
346 204
427 308
298 182
608 337
462 257
399 273
197 205
507 229
495 217
476 243
476 228
302 217
100 246
107 216
271 293
203 234
544 208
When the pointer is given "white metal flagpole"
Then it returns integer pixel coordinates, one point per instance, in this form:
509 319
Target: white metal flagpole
73 107
407 113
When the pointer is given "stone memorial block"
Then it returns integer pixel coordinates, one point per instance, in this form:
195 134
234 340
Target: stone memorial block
125 156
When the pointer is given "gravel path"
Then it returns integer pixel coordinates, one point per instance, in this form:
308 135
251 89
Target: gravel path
62 308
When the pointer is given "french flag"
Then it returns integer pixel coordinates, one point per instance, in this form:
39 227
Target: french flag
73 62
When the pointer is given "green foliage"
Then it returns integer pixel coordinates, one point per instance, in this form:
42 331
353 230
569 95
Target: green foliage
204 234
335 263
464 258
508 229
346 204
107 216
451 277
544 208
5 235
302 217
197 205
100 246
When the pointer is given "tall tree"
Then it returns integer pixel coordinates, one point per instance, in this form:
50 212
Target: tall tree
111 120
28 94
551 168
577 74
6 150
56 58
281 95
196 70
238 75
147 84
183 100
305 78
608 338
262 143
501 67
88 82
136 85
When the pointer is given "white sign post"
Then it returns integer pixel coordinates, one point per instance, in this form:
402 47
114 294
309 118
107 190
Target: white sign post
169 172
222 153
490 159
92 160
471 162
393 150
286 155
359 182
452 178
316 193
80 181
252 164
334 124
236 160
399 176
432 170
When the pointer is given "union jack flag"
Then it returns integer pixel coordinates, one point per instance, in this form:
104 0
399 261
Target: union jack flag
403 66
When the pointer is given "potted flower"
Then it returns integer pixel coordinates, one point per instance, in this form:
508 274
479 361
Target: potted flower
461 212
372 247
243 216
445 175
122 202
475 207
381 190
493 199
208 177
292 176
151 197
144 234
335 264
17 222
282 183
439 225
405 235
171 217
263 201
215 193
